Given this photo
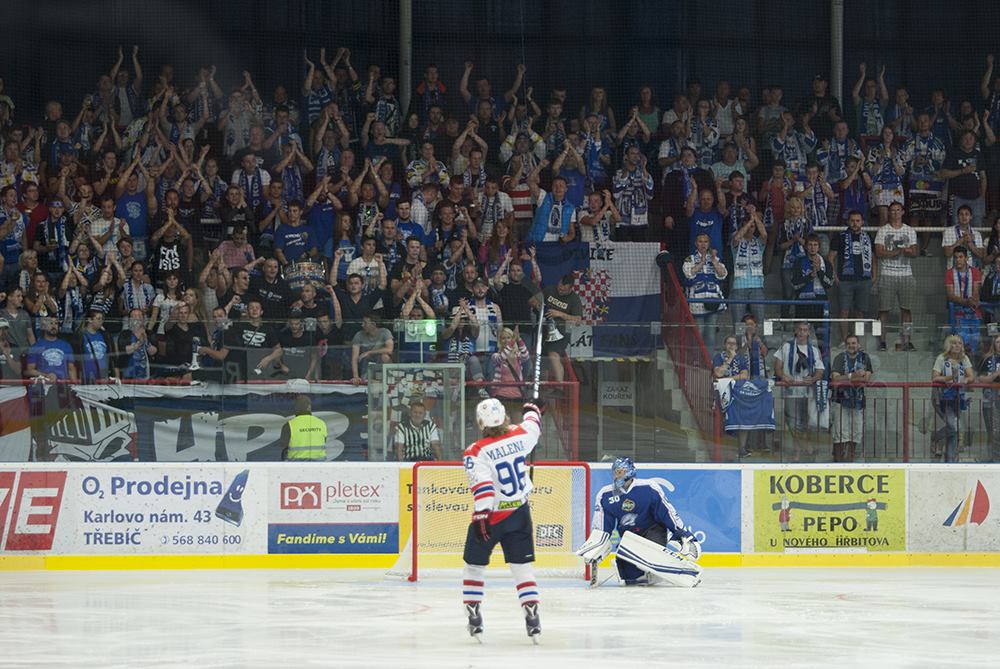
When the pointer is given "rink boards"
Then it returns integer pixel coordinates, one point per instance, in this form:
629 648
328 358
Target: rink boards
356 515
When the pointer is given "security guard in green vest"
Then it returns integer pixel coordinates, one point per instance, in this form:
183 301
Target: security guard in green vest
303 437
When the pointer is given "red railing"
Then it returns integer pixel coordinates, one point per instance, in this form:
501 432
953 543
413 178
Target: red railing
691 360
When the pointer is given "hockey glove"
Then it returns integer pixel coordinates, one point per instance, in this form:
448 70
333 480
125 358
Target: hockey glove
481 521
690 548
535 405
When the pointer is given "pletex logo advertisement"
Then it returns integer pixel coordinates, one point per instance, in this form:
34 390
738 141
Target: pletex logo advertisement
844 510
950 510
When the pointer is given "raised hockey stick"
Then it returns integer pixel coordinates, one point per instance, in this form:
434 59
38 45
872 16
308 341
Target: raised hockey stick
537 380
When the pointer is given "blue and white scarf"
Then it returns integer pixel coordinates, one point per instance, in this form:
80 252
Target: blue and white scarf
847 269
253 188
852 397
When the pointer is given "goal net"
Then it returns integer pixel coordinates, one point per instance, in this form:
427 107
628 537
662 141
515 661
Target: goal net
442 507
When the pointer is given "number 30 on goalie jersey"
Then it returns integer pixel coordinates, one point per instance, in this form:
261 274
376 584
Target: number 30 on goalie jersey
497 468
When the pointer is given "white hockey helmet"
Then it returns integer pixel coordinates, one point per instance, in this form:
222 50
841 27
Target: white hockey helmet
490 413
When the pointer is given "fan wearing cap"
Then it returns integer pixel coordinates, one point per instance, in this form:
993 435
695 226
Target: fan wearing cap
499 480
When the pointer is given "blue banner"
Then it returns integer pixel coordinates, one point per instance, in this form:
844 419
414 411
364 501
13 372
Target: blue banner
707 500
333 538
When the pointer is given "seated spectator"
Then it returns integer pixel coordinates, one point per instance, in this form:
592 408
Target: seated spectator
51 357
847 419
951 373
962 282
799 365
705 272
371 345
417 437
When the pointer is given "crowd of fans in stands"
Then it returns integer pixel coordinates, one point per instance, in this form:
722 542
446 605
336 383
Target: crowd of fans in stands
187 227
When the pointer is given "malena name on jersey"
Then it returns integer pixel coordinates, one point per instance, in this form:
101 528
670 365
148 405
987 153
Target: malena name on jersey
504 450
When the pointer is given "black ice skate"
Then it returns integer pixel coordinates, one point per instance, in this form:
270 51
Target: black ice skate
531 621
475 626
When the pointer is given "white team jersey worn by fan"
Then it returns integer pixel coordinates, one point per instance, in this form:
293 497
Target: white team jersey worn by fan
497 469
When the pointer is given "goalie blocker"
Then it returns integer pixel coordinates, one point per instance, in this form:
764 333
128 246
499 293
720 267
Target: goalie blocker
647 522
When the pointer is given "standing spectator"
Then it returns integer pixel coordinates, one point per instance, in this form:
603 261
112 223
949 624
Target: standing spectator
417 437
899 115
426 169
10 360
732 163
791 243
816 196
812 280
852 366
792 146
633 188
253 345
748 243
20 334
508 367
707 218
966 174
514 293
827 106
728 364
753 347
136 292
853 191
704 134
963 234
989 373
799 365
852 255
925 156
951 373
13 235
669 155
298 348
835 151
869 108
896 246
94 349
562 307
886 165
555 216
724 109
370 345
705 273
51 357
962 283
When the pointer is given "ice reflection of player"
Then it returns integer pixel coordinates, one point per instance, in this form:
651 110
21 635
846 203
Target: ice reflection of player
871 516
785 514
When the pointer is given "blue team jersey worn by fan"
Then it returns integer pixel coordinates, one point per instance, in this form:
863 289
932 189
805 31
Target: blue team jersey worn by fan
638 509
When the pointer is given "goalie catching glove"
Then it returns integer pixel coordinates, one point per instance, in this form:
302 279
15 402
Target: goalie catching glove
481 520
690 548
596 547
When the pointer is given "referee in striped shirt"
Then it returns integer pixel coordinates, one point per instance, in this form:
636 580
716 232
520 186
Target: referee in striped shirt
417 438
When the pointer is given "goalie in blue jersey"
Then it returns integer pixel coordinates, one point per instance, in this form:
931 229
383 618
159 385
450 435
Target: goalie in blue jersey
649 528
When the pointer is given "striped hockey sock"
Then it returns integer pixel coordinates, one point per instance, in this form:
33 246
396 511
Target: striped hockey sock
524 579
473 584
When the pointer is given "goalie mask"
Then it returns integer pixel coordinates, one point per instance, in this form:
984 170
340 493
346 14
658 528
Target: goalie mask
622 471
490 413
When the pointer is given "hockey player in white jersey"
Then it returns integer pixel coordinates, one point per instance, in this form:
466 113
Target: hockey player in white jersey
500 483
646 522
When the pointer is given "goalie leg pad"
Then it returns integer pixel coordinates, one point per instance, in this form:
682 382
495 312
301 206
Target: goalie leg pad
658 561
596 547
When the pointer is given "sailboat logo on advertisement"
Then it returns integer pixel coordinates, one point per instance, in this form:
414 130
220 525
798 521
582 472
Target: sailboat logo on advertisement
973 509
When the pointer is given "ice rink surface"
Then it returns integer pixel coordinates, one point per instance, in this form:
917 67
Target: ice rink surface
735 618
